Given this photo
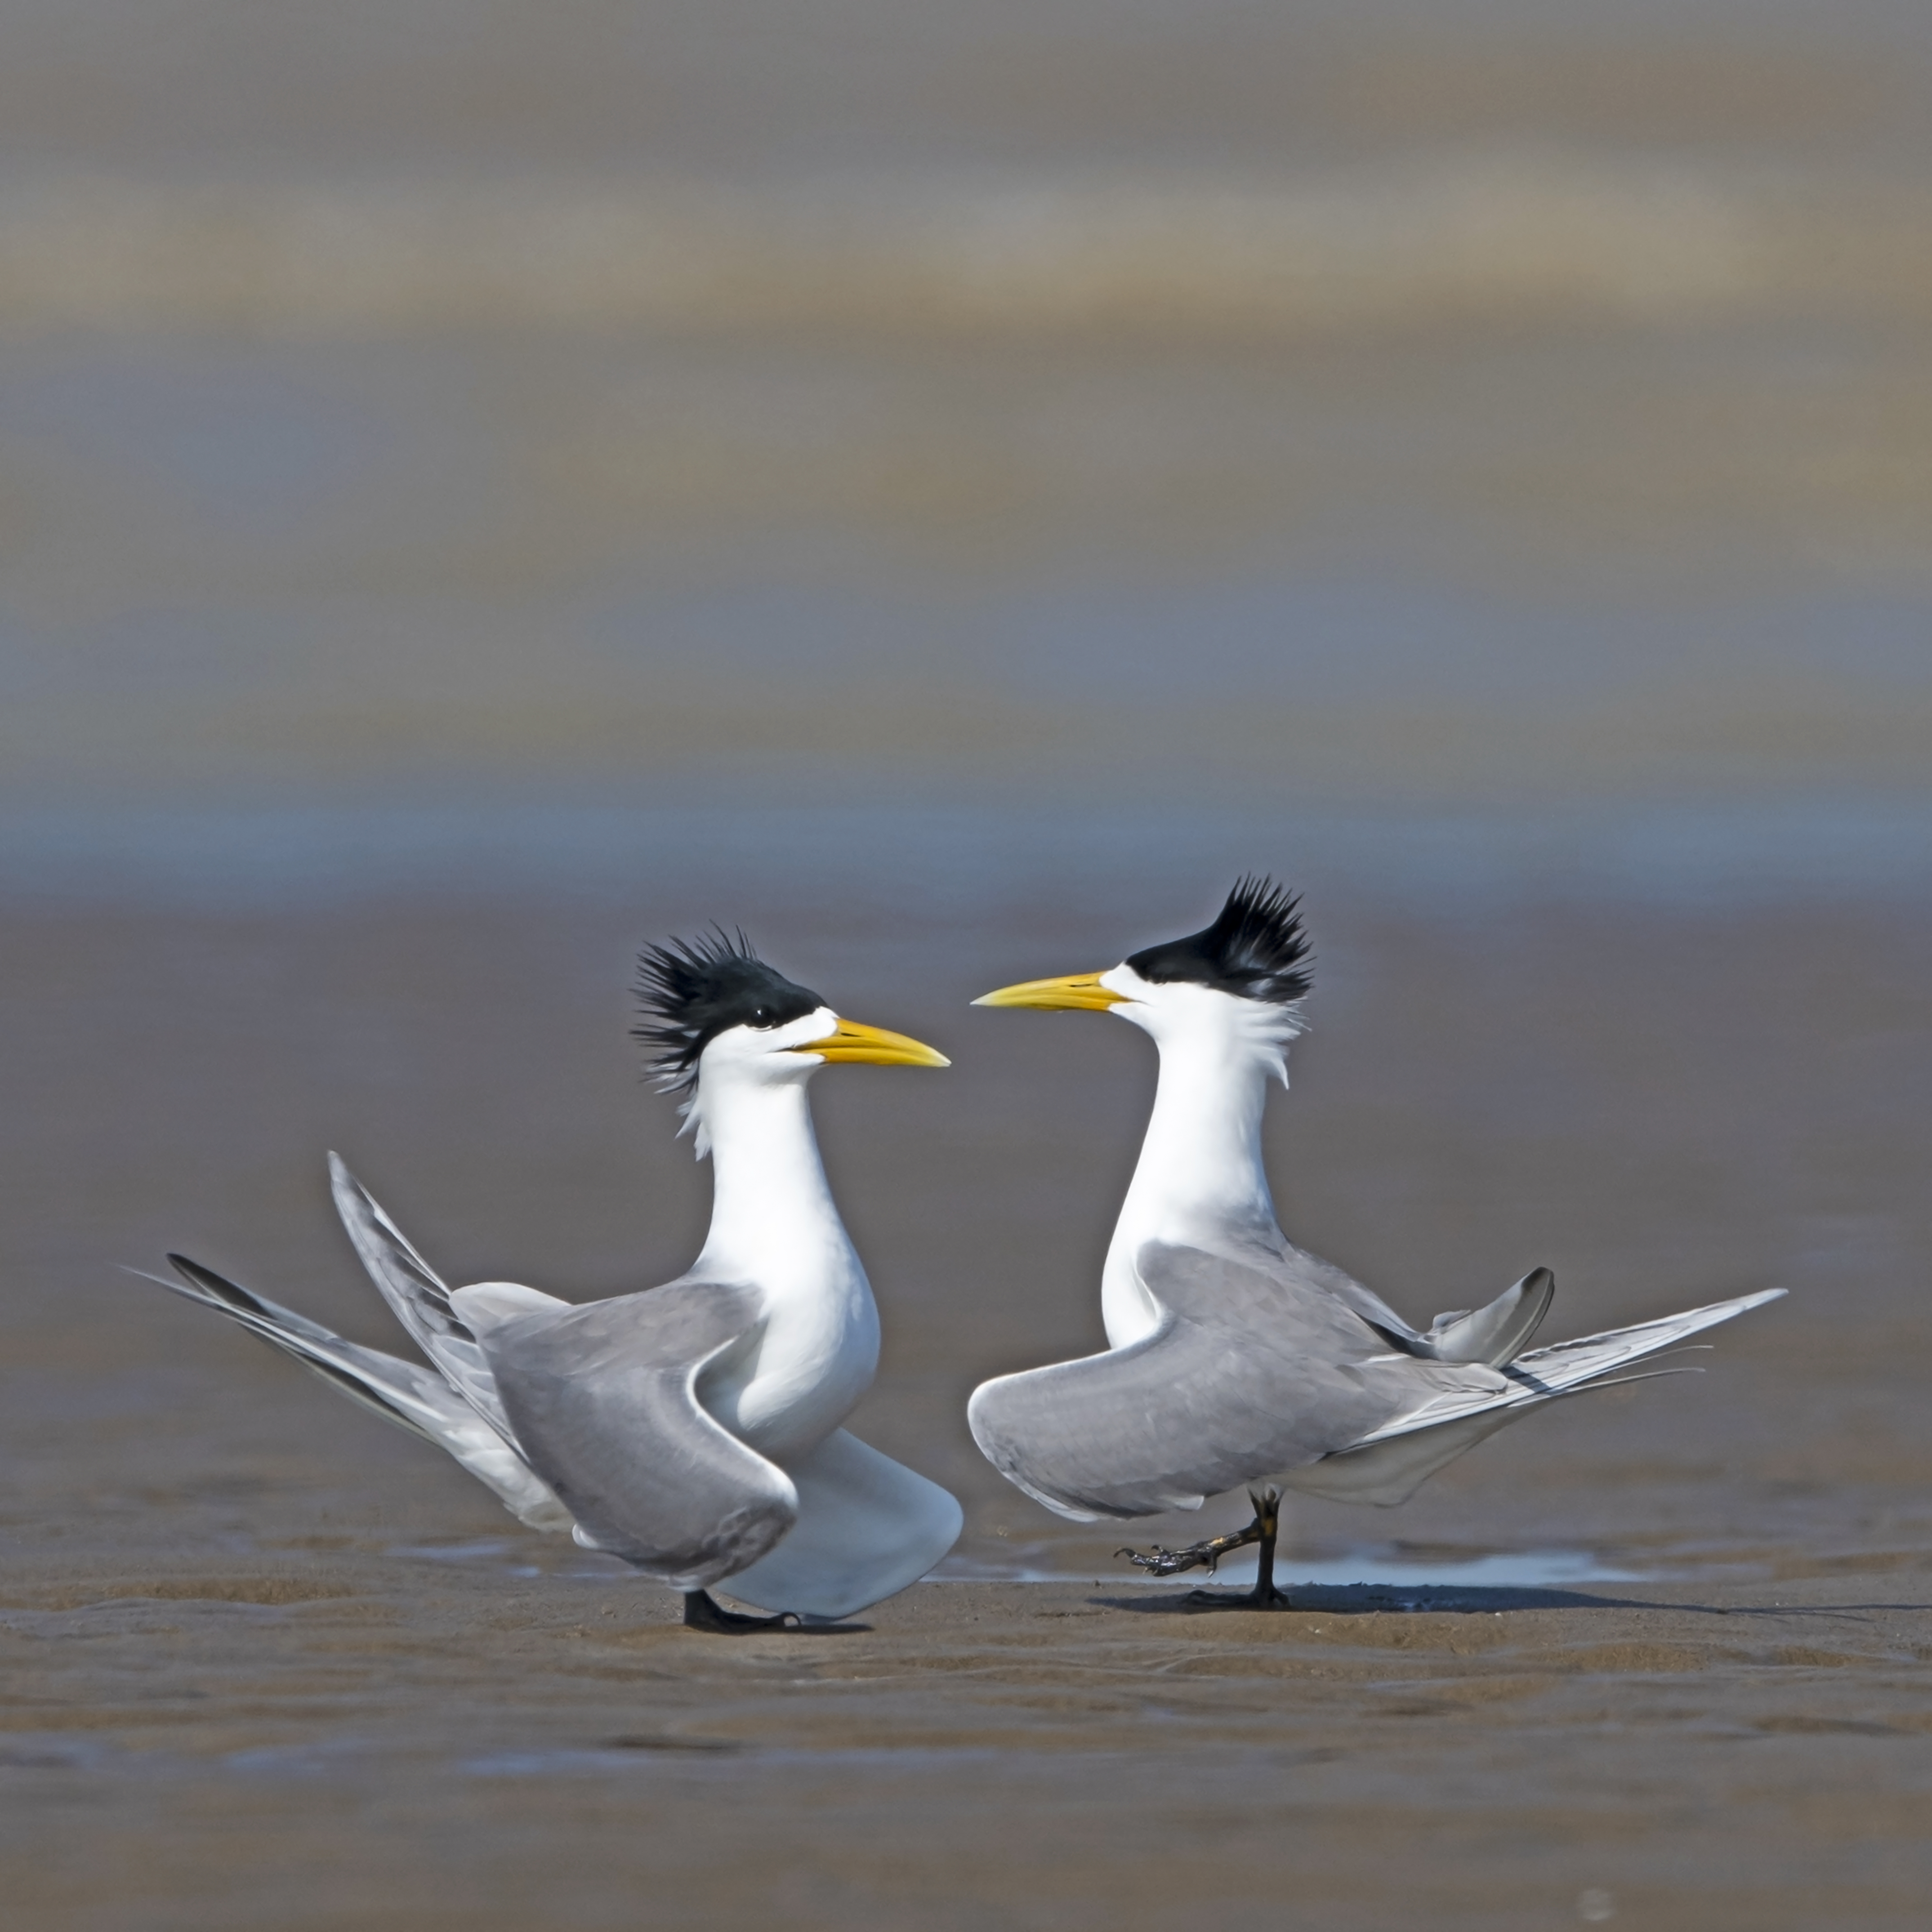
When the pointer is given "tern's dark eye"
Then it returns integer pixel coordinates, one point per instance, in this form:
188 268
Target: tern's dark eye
693 990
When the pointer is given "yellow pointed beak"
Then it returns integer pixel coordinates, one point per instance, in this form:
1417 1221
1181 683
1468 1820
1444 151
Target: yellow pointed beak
1081 992
855 1040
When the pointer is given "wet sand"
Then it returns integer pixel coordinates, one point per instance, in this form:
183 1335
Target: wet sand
268 1662
331 1736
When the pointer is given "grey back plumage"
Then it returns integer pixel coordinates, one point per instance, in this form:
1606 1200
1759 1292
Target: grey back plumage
588 1416
1258 1365
603 1401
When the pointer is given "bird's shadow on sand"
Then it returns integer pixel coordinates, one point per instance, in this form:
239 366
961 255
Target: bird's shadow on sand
1347 1600
1356 1599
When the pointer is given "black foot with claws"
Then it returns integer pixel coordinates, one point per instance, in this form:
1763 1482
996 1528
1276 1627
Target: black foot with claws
702 1613
1208 1555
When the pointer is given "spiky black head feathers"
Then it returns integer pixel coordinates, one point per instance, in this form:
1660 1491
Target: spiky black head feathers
1255 949
692 990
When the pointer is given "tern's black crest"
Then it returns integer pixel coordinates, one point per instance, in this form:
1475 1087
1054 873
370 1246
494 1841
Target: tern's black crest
692 990
1255 949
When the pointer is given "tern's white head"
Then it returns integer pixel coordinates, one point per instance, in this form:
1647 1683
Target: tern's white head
725 1027
1227 996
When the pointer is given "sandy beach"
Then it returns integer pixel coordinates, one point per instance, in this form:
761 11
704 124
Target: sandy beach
334 1734
266 1661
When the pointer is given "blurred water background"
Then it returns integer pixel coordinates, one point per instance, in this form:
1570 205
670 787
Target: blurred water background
485 485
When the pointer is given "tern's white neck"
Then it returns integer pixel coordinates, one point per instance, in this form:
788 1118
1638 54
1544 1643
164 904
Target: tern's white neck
1199 1179
773 1220
774 1224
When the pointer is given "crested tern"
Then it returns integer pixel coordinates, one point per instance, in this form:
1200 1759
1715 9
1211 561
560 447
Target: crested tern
692 1430
1235 1358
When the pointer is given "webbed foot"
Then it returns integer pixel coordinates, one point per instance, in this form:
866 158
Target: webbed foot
1206 1555
702 1613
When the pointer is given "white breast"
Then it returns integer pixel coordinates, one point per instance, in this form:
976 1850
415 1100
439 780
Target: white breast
817 1356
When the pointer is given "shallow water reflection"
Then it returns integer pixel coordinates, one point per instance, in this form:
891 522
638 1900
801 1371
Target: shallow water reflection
1374 1563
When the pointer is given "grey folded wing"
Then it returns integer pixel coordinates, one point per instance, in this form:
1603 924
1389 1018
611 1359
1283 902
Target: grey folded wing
604 1402
417 1295
1257 1366
1492 1335
1496 1333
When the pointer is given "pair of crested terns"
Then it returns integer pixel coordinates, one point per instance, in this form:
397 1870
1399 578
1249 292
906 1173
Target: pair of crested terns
694 1429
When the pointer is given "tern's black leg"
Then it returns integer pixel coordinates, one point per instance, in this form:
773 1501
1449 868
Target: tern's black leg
702 1613
1206 1556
